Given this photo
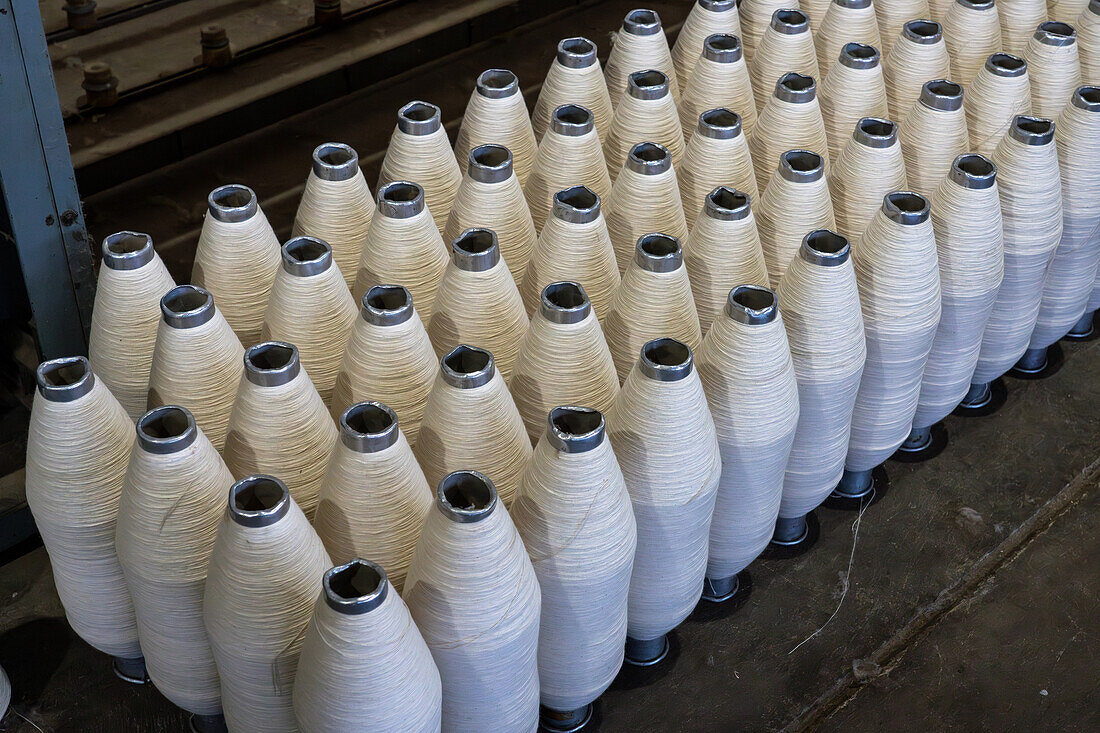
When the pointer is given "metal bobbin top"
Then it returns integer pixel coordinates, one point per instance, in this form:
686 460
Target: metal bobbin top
564 302
1087 98
127 250
718 6
727 204
490 164
576 53
790 22
722 48
859 56
419 118
1094 7
875 132
649 159
304 256
854 4
386 305
187 306
497 84
258 500
924 32
824 247
971 170
166 429
271 363
796 88
647 85
1031 130
572 120
466 496
906 207
66 379
232 203
335 162
752 305
400 200
942 94
355 587
801 166
1005 64
658 253
476 250
1055 33
719 124
976 4
572 429
666 360
368 427
467 367
576 205
642 22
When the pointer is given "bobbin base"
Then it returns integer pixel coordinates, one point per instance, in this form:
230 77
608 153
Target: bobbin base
872 493
712 607
646 652
1084 330
793 537
983 399
208 723
564 721
923 444
1039 363
130 670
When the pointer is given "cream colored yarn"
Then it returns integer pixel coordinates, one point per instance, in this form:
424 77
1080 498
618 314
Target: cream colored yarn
1088 43
846 21
972 31
870 166
796 202
722 251
815 10
717 155
756 15
788 125
1000 91
1054 67
893 15
919 54
933 136
575 77
563 359
644 199
781 52
310 307
853 89
653 301
646 113
471 420
707 17
336 205
1019 18
131 281
373 496
77 453
496 114
720 79
638 45
237 259
938 9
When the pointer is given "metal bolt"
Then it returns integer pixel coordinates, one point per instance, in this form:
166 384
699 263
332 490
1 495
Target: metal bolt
326 12
68 217
81 15
100 85
215 46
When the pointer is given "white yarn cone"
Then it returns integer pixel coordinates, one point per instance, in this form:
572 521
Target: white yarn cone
364 663
1088 42
172 502
870 166
820 303
970 250
563 360
491 197
279 424
575 77
639 44
645 113
747 374
665 441
570 154
131 282
389 357
972 31
653 301
1019 18
707 17
791 120
420 151
1030 189
474 596
496 114
720 79
899 292
717 155
310 307
373 496
403 246
722 251
573 513
471 420
78 446
644 199
237 258
1054 67
756 16
938 9
846 21
5 693
1066 10
853 89
336 205
815 10
1000 91
259 598
919 54
933 134
1071 273
574 244
787 46
796 201
478 302
197 362
892 16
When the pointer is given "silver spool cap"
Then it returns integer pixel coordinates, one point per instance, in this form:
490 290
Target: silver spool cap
942 94
1087 98
719 124
386 305
259 500
356 587
1031 130
572 429
466 496
723 48
497 84
854 4
576 205
752 305
400 199
467 367
271 363
127 250
642 22
335 162
649 159
796 88
790 22
1055 33
801 166
1094 7
490 164
576 53
187 306
971 170
859 56
66 379
419 118
1005 65
976 4
825 248
906 207
476 250
727 204
232 203
657 252
718 6
647 85
166 429
305 256
572 120
368 427
666 360
564 302
925 32
876 132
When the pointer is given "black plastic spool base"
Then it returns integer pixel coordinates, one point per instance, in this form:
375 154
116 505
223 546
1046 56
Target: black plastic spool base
1055 359
998 395
880 484
564 721
789 550
130 670
1091 334
208 723
937 441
